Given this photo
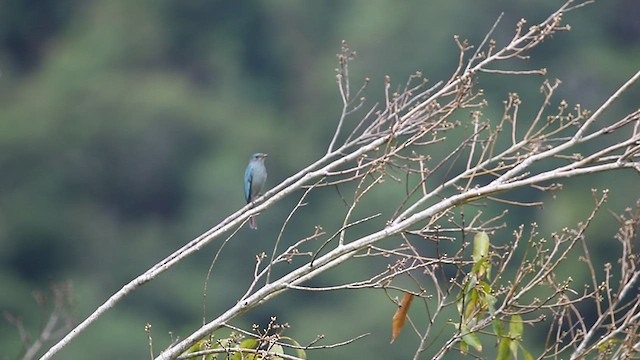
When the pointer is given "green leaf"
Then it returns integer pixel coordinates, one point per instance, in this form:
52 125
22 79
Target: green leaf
486 288
464 348
498 328
471 322
480 246
299 352
513 346
226 342
248 343
491 302
463 297
478 267
485 295
607 344
471 284
504 349
515 327
236 356
472 302
195 347
471 339
277 349
527 355
481 255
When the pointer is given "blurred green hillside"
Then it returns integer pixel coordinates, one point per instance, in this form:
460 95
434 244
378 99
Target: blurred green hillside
125 128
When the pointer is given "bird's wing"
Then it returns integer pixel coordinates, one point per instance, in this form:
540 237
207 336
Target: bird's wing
248 178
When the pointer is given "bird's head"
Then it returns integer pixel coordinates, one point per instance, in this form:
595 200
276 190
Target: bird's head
258 156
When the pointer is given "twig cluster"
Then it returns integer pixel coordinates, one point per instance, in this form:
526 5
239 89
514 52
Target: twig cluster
414 137
55 309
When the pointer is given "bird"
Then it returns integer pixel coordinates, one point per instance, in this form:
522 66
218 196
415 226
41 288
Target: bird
255 177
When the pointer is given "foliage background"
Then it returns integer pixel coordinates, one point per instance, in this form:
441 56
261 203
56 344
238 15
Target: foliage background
125 128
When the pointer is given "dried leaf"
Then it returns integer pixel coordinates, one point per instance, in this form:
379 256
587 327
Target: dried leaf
400 316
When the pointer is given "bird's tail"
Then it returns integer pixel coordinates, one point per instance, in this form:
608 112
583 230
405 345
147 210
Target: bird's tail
252 223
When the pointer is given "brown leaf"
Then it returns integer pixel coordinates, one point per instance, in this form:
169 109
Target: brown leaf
400 316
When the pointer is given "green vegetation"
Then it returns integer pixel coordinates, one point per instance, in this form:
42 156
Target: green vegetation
125 128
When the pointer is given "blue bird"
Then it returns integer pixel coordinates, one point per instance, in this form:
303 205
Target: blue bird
254 179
